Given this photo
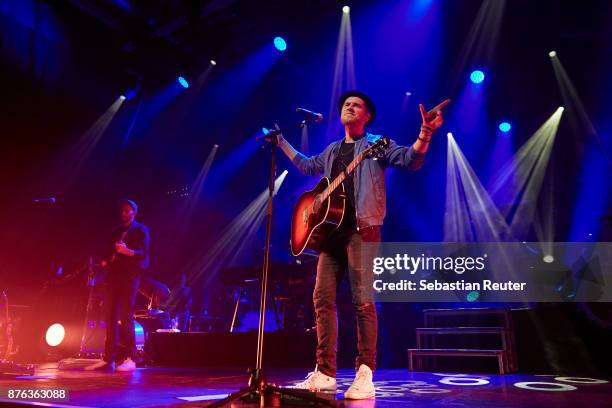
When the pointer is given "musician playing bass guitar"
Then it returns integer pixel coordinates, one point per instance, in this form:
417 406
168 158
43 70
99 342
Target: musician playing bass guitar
128 260
363 217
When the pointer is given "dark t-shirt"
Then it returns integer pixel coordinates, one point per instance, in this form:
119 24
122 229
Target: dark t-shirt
346 154
136 237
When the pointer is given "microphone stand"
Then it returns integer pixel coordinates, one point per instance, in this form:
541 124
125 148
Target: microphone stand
258 387
306 122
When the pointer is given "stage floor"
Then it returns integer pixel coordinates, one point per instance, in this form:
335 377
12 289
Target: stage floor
165 387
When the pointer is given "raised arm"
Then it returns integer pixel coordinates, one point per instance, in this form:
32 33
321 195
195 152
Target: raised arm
430 121
308 165
412 158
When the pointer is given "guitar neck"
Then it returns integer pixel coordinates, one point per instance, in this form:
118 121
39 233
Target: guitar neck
342 176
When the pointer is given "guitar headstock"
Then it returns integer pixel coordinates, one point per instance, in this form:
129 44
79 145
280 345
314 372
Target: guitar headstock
377 149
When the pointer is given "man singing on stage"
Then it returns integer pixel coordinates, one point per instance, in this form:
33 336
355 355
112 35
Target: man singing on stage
129 259
364 214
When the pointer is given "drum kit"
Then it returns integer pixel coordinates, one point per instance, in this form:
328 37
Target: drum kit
154 317
236 308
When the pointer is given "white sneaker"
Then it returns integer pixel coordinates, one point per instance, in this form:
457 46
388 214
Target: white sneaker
317 381
127 365
101 366
362 387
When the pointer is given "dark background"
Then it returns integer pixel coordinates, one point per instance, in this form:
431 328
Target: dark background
63 63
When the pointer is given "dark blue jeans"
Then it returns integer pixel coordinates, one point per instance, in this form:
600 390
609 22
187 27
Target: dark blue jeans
121 298
345 253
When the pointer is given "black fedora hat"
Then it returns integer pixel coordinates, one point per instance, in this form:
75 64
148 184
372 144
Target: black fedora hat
365 98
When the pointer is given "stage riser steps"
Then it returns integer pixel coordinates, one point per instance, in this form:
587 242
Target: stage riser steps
465 311
459 330
434 337
434 320
499 354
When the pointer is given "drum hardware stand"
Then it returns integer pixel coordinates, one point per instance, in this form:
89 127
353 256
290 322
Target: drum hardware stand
7 366
238 298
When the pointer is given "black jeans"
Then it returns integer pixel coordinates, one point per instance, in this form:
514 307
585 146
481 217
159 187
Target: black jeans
121 298
345 252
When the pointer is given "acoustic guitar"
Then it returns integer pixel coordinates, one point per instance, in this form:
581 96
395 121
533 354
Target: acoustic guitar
320 211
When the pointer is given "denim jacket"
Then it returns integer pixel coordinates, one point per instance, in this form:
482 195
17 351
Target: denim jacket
369 176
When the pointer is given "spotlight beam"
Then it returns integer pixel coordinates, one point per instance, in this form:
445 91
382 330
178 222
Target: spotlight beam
471 215
187 99
233 239
190 205
482 39
578 116
405 102
344 72
544 219
67 169
198 184
519 181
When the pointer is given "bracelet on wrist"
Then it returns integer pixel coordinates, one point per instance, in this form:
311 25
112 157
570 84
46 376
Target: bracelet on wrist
424 140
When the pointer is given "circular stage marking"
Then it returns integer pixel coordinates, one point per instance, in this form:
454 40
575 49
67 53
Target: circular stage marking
430 391
391 388
461 375
463 381
426 385
388 394
413 383
450 375
544 386
581 380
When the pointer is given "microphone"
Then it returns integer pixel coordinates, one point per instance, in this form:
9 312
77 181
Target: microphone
272 133
310 115
46 200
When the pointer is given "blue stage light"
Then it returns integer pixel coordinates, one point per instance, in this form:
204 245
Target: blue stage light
505 127
477 76
472 296
183 82
280 44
